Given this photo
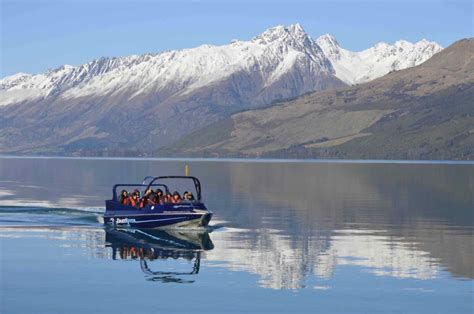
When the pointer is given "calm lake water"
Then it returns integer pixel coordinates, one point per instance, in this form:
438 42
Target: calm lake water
287 237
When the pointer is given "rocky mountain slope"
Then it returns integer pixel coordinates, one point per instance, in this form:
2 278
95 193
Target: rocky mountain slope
137 104
424 112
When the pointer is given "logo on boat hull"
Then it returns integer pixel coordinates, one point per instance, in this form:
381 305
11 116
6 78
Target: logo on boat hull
124 220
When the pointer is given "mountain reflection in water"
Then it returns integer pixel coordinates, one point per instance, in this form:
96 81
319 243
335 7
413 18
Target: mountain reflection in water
280 261
373 212
283 262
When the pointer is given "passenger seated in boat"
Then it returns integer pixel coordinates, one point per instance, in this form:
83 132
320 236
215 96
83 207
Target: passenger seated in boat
187 196
158 196
190 197
124 198
142 202
176 198
150 199
135 199
167 198
147 199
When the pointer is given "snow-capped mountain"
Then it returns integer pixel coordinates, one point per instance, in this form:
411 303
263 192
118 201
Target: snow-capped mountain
23 86
268 57
171 93
273 53
359 67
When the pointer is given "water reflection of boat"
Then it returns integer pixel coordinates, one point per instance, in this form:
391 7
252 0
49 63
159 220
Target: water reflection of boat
151 245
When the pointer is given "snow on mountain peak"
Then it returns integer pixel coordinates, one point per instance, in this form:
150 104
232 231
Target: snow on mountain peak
330 46
382 58
327 39
428 44
14 79
403 44
381 46
274 52
297 30
425 41
293 35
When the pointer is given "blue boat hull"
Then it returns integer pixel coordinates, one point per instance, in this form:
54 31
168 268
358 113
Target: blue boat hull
157 216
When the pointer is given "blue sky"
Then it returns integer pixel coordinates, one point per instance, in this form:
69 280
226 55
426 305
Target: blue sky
39 35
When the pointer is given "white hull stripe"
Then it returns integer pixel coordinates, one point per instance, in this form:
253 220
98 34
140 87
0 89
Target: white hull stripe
144 221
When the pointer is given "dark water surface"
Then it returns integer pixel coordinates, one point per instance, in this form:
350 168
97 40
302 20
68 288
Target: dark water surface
287 237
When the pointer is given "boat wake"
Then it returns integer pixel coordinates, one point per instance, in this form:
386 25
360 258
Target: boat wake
49 216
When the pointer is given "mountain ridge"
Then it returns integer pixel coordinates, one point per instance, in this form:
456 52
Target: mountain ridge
366 65
423 112
293 35
141 103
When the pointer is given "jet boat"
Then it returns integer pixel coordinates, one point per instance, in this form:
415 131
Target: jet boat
168 215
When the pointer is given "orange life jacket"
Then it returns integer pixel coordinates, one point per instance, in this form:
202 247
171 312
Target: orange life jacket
126 201
175 201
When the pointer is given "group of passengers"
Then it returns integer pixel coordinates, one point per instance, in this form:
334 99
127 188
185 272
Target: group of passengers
151 197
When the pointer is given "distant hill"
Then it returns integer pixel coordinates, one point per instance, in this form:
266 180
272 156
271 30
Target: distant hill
137 104
424 112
